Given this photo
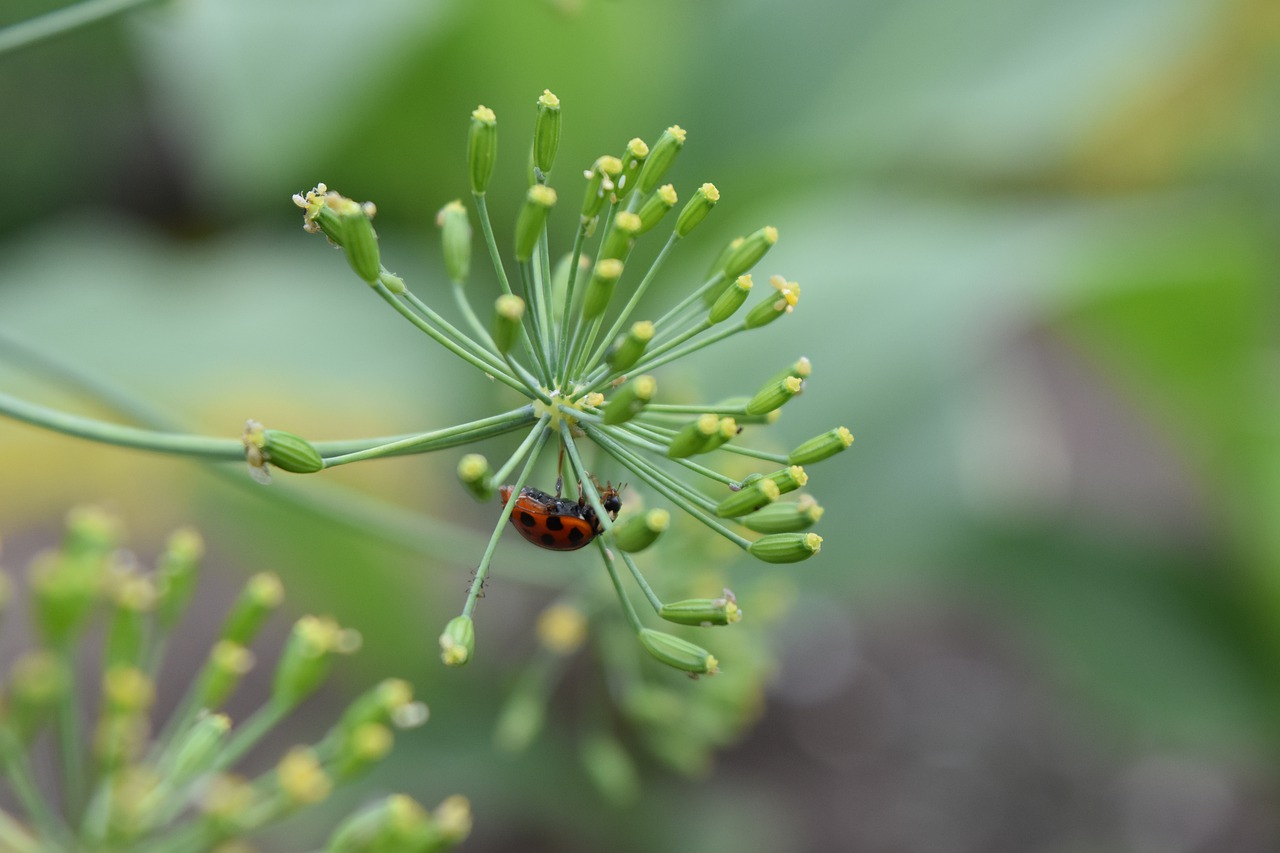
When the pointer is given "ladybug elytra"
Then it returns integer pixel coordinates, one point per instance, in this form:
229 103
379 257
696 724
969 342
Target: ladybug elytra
551 522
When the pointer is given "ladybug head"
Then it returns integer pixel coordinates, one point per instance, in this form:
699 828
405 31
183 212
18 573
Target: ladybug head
611 501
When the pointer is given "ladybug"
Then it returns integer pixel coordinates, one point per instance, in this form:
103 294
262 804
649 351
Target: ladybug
551 522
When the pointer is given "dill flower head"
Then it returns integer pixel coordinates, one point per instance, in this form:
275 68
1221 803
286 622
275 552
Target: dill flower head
571 332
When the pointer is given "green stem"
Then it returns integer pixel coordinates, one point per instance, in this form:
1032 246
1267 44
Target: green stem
537 439
684 409
667 432
70 739
499 372
679 308
633 301
430 441
650 363
632 434
61 21
453 332
688 492
18 769
244 737
344 446
578 240
469 314
650 476
537 312
546 298
643 584
482 208
123 436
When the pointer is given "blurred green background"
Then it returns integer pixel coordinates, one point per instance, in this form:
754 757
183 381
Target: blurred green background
1038 245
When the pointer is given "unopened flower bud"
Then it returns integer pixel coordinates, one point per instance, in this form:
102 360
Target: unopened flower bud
546 132
176 573
228 662
455 240
604 278
197 748
638 531
678 652
392 282
290 452
306 659
773 395
561 628
749 253
662 155
482 148
821 447
127 690
301 777
630 400
508 313
786 547
394 823
697 209
533 218
621 236
703 611
693 437
782 517
360 242
630 347
748 499
774 307
632 161
656 206
730 300
363 747
261 595
458 642
38 681
789 479
600 183
476 475
452 821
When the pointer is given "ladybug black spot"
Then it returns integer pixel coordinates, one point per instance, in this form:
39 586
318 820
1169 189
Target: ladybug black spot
575 535
548 539
554 523
526 519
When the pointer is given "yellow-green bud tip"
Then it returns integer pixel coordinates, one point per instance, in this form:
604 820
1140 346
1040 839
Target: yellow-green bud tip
542 195
458 642
548 100
712 194
301 778
678 132
484 114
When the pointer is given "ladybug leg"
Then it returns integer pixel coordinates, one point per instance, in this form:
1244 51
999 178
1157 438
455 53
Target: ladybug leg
560 472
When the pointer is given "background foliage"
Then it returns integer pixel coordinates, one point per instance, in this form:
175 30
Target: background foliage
1037 242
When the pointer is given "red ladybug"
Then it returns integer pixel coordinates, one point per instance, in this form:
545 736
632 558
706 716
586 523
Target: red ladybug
556 524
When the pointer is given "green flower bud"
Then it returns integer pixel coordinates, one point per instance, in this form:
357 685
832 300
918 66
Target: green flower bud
747 255
482 148
508 313
821 447
301 778
519 722
775 306
360 241
726 429
630 347
600 183
65 588
697 209
621 236
789 479
364 747
291 453
453 821
730 300
458 642
632 161
455 240
392 282
176 574
226 800
38 682
660 158
134 598
786 547
394 823
748 499
261 595
693 437
476 475
656 206
703 612
637 532
546 132
127 690
604 278
196 749
630 400
305 662
228 663
533 218
801 368
678 653
773 395
610 767
785 517
91 532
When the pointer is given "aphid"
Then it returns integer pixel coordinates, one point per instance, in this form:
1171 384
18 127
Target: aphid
551 522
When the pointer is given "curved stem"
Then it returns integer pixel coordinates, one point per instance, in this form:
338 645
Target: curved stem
440 439
61 21
633 301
